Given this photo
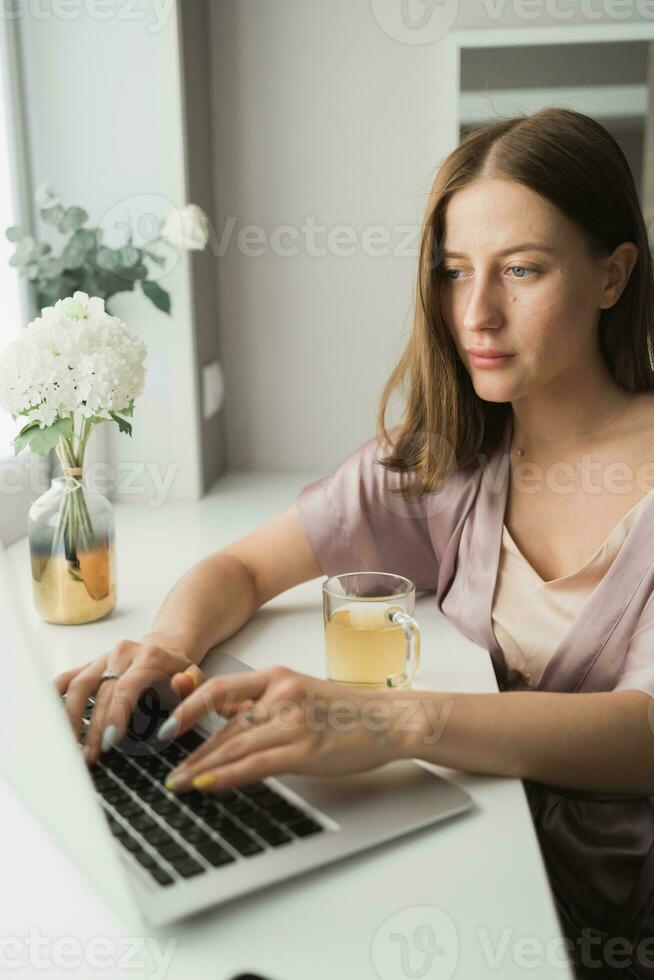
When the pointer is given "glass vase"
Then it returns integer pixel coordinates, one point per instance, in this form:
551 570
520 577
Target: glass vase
72 550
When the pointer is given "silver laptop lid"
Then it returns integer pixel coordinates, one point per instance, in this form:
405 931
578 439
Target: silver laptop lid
35 735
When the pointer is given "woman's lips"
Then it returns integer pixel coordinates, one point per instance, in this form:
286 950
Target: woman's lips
490 362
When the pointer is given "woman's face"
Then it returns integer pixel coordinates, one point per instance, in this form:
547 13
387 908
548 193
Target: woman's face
502 292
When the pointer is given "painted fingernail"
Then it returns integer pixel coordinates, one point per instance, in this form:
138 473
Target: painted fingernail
206 779
108 737
176 783
167 729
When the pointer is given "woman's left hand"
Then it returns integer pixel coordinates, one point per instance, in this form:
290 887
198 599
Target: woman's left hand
301 725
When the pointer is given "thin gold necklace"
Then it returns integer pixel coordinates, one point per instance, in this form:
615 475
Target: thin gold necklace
556 442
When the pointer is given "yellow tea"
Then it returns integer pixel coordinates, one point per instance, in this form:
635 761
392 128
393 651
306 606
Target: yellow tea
362 647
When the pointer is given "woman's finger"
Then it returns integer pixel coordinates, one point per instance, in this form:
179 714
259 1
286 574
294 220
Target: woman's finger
216 694
153 667
238 708
118 663
235 724
257 765
62 680
186 681
240 743
103 697
85 683
126 693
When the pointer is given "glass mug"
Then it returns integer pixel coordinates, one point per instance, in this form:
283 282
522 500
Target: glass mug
371 637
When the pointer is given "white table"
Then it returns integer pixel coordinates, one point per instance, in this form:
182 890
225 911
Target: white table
482 869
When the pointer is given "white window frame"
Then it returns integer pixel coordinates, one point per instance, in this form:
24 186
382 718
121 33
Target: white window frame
25 477
455 41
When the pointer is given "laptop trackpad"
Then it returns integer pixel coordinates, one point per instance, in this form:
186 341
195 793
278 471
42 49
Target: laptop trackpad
404 787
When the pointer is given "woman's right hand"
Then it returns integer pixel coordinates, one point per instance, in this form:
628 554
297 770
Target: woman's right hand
153 659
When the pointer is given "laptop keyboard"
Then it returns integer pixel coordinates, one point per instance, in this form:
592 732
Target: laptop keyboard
179 836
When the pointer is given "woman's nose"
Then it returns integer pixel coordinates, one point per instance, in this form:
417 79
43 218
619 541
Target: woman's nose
482 306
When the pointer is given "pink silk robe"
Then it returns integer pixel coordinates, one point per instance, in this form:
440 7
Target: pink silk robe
597 846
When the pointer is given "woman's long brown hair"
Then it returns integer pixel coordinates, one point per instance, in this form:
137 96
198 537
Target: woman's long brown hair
571 160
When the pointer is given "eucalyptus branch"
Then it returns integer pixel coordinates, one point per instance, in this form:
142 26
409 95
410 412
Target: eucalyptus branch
87 263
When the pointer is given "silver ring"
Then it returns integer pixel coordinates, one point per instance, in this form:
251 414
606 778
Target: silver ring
249 715
109 675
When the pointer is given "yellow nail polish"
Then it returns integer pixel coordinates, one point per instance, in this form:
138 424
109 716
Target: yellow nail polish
206 779
171 782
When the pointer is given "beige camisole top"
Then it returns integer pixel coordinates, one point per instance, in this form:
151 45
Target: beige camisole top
530 616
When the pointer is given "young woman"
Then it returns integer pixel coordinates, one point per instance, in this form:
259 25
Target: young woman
518 488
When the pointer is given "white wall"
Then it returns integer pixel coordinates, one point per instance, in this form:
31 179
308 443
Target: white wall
318 112
104 119
318 115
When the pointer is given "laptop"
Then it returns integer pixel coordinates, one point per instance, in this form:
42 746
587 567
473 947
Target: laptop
158 857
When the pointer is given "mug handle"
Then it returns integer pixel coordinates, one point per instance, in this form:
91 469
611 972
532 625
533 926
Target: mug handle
399 616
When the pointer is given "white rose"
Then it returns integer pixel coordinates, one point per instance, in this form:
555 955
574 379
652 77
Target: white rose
46 196
186 227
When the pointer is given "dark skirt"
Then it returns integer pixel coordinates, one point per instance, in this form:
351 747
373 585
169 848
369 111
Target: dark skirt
598 849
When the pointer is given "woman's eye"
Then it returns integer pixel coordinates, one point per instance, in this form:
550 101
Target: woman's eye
447 273
524 268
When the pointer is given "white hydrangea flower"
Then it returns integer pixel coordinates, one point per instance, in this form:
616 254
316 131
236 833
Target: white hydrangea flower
80 306
73 361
